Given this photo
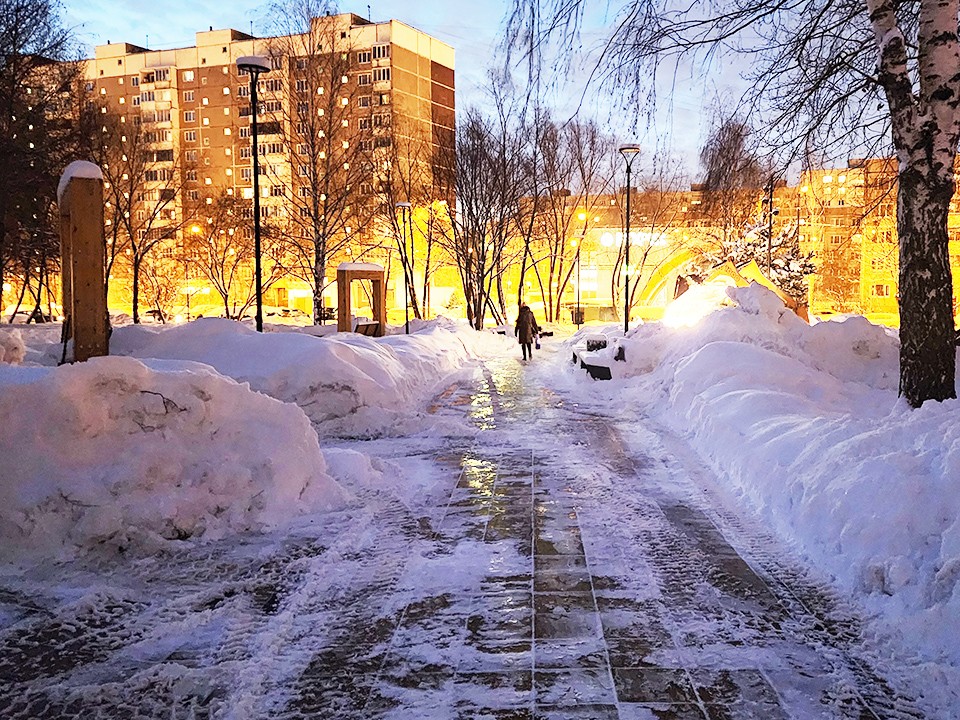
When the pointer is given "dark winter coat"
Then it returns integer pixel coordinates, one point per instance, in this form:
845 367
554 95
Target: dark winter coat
527 327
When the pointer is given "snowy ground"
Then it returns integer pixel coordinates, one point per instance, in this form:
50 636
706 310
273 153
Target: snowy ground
476 538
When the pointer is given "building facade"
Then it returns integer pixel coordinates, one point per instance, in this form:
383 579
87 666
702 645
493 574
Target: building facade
346 104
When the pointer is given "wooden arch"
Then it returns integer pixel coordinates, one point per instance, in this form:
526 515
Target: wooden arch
346 274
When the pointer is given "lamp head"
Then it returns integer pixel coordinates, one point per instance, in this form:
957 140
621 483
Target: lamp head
404 205
253 64
628 150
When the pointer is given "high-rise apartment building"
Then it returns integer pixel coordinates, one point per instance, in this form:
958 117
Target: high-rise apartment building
340 112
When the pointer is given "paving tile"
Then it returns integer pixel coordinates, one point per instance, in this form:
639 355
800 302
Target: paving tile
731 687
565 616
574 580
563 540
762 711
653 685
625 652
494 690
593 711
571 687
479 712
494 657
660 711
554 653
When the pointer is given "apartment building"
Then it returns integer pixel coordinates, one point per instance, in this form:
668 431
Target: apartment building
338 101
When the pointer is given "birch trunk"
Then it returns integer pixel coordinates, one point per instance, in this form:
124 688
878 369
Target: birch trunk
927 352
925 125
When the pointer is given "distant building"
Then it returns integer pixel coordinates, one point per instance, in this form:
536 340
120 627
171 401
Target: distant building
193 108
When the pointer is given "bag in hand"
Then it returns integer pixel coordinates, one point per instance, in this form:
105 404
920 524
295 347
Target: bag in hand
536 342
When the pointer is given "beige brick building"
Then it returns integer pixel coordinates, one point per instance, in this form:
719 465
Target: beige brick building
191 107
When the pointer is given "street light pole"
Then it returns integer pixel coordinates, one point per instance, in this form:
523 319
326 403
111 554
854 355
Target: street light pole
574 243
404 208
256 66
770 214
629 153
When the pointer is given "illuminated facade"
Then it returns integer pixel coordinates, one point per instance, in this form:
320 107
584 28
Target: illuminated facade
192 110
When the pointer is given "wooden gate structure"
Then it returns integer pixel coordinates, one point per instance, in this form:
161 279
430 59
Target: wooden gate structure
346 274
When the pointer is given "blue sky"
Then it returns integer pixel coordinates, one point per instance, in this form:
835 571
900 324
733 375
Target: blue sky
470 27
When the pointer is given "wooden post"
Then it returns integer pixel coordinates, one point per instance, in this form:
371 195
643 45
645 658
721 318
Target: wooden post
380 305
343 301
82 240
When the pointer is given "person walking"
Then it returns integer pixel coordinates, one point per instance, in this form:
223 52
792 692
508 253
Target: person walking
526 330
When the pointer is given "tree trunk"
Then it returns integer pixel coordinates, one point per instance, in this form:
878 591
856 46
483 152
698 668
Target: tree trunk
319 271
927 351
136 289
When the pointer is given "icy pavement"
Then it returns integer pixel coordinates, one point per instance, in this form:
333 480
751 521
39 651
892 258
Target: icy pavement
558 563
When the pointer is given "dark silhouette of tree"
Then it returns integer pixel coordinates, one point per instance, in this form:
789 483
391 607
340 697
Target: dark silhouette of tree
39 135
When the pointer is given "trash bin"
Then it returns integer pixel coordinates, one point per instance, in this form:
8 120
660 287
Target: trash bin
576 316
596 342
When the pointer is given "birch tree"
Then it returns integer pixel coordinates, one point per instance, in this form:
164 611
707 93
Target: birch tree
817 71
487 172
330 125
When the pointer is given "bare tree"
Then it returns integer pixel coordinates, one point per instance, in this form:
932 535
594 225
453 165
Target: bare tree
408 176
817 70
657 224
331 107
219 247
569 170
39 134
733 181
487 171
143 180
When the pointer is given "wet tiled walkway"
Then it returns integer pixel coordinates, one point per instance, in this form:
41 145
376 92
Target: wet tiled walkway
549 593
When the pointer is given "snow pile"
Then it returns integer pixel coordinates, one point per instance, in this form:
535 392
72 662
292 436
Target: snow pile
695 304
12 348
805 422
374 381
120 453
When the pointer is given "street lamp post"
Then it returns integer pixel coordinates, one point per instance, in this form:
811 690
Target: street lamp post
404 208
256 66
629 153
579 320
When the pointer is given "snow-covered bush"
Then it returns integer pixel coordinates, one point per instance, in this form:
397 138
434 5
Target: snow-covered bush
12 348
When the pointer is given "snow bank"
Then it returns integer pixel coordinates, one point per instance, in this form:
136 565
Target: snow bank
370 381
12 348
121 453
804 421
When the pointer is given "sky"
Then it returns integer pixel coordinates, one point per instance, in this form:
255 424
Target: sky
472 28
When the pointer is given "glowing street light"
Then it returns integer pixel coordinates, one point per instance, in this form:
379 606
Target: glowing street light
256 66
629 153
